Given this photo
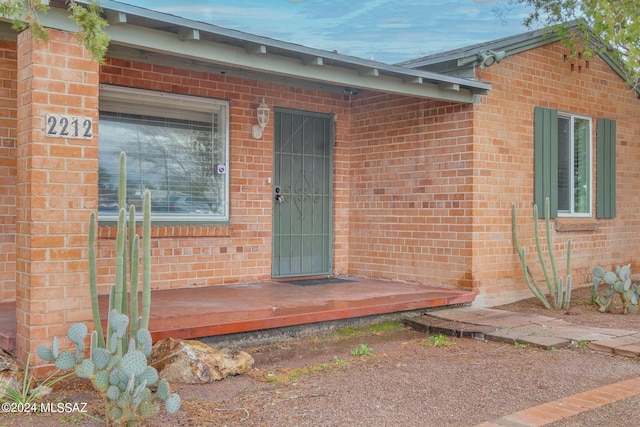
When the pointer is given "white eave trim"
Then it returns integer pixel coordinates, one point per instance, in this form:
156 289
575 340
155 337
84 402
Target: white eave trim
308 65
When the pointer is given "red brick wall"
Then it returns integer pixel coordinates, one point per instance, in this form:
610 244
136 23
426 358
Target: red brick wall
57 185
411 179
241 252
503 157
432 184
8 105
56 190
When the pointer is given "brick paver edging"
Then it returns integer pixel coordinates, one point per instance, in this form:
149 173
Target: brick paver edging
547 413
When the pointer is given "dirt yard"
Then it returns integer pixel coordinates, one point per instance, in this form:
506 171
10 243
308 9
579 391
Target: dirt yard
408 378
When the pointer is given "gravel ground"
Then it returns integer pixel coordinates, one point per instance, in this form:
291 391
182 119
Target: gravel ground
411 382
623 413
408 380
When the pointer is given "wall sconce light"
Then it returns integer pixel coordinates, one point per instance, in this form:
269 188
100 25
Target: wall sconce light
490 57
263 119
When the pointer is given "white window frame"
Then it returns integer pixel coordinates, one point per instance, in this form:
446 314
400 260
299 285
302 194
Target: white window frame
151 100
571 212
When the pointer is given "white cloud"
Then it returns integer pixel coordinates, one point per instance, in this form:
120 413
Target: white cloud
389 30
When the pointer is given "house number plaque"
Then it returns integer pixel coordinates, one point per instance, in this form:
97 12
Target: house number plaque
64 126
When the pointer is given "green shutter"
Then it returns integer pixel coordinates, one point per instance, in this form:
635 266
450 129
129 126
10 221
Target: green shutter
606 169
546 159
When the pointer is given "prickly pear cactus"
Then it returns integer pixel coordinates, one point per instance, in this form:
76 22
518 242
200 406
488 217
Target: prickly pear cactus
125 381
619 283
117 362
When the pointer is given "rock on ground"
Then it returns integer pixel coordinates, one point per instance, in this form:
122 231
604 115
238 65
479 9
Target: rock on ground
9 373
193 362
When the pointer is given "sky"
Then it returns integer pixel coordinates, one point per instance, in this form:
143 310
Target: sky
389 31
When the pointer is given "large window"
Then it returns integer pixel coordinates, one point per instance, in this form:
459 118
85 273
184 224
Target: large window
574 165
176 146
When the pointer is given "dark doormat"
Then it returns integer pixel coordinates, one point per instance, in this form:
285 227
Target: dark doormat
314 282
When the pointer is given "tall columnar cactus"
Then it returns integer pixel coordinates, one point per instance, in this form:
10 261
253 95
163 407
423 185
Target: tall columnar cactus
117 363
559 291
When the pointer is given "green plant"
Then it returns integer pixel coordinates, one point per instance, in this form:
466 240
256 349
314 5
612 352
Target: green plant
559 290
378 328
387 326
520 345
363 350
581 343
75 419
298 372
24 393
439 340
293 375
347 332
340 362
619 283
91 25
117 362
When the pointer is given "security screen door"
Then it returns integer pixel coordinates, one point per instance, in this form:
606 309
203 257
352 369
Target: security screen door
302 199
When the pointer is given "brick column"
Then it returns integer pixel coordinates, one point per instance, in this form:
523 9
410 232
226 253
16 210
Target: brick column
56 189
8 64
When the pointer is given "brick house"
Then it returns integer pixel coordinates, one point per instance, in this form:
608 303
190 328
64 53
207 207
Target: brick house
402 172
555 126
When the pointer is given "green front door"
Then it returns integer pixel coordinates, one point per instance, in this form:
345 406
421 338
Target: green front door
302 199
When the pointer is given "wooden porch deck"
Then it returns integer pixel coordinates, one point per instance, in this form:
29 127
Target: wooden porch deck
220 310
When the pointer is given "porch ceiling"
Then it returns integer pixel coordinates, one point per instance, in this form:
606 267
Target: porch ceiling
154 37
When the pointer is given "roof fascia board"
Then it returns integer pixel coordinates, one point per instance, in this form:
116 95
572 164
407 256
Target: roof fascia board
511 45
147 57
166 43
170 44
307 52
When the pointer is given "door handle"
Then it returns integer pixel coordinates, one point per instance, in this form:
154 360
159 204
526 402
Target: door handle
278 196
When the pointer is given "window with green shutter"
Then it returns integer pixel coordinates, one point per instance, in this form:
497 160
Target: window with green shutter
562 162
546 159
606 168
